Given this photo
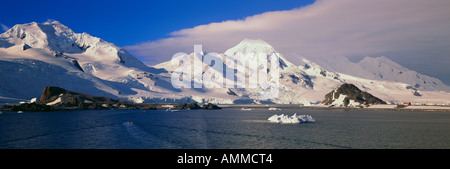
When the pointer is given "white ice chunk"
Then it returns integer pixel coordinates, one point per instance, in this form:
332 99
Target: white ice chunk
171 110
292 119
33 100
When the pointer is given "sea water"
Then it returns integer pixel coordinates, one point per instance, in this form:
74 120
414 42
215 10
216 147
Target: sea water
223 129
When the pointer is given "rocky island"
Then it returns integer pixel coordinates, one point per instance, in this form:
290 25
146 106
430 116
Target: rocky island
55 98
348 95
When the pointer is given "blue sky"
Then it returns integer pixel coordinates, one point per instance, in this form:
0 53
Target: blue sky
130 22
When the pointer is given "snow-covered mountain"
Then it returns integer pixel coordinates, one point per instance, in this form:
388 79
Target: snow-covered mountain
307 83
250 51
60 39
384 69
36 55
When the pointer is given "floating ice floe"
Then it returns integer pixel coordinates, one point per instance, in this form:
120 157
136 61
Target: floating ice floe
292 119
171 110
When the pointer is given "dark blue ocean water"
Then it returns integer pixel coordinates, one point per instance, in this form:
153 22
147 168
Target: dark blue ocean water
226 128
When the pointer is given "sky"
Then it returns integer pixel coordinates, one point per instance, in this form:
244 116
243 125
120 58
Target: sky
413 33
135 21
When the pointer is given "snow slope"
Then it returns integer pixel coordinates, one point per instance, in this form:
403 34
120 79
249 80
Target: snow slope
26 73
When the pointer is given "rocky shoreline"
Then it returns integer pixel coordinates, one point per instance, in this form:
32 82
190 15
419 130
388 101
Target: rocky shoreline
56 99
35 107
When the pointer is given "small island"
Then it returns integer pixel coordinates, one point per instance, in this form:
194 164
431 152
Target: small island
55 98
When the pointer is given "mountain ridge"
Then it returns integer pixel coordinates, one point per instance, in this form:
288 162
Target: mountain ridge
382 68
79 62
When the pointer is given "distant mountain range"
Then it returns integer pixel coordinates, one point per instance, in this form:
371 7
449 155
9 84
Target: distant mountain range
382 68
36 55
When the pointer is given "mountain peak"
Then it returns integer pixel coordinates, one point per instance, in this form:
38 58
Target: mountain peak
251 46
255 42
52 35
382 60
58 38
55 22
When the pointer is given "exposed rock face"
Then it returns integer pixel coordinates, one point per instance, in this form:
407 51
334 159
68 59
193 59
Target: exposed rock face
55 95
50 93
25 47
191 106
194 106
77 65
56 98
350 95
210 106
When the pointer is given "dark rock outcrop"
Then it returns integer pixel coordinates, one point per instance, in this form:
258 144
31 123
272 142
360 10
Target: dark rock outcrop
414 90
194 106
351 92
73 99
34 107
211 106
50 94
230 92
77 65
25 47
191 106
55 98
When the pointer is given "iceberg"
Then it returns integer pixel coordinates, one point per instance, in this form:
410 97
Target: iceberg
292 119
171 110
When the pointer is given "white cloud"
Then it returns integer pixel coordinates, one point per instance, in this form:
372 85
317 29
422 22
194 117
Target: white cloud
4 27
400 29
